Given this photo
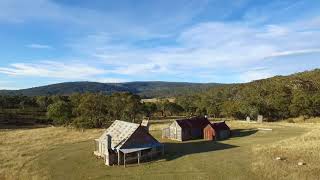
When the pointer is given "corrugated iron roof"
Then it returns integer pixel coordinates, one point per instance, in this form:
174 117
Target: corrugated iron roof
220 126
119 131
131 150
196 122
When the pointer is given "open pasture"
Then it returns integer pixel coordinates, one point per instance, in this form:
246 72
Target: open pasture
61 153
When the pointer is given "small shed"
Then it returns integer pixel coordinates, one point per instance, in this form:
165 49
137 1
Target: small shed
216 131
186 129
125 142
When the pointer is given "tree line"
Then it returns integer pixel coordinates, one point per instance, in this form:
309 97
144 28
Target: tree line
90 110
275 98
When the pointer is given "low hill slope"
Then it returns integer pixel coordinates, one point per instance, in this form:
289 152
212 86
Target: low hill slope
145 89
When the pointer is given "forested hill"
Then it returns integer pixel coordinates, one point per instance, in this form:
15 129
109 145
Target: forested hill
144 89
275 98
304 80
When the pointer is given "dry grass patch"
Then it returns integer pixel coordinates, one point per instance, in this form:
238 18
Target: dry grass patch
20 149
305 148
48 153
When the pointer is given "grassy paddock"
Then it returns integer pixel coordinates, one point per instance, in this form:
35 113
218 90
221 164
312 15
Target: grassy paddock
21 148
305 148
61 153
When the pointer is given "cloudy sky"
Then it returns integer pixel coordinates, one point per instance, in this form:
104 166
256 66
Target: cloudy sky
225 41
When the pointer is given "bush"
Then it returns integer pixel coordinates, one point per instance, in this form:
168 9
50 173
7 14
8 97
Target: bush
60 112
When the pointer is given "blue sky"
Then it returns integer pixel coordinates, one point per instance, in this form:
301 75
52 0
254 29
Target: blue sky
225 41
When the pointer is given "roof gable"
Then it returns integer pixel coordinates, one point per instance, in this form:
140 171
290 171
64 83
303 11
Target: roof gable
220 126
196 122
141 138
119 131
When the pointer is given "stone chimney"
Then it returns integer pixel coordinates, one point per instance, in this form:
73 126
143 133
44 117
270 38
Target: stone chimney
145 124
108 142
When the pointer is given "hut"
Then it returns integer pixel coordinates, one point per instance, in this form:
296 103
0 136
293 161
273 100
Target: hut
125 142
216 131
186 129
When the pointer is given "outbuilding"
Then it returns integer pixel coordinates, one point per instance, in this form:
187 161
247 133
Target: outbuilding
186 129
125 142
216 131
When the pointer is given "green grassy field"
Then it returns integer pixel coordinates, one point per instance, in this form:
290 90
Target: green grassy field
241 157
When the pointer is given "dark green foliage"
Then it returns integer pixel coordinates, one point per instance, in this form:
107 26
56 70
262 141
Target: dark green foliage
60 112
68 89
93 109
274 98
20 110
19 101
149 108
81 110
316 104
43 101
144 89
99 110
188 103
173 108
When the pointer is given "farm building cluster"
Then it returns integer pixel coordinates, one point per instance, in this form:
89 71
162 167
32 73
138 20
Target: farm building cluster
196 128
125 142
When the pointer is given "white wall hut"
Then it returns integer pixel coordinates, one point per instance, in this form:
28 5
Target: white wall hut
125 142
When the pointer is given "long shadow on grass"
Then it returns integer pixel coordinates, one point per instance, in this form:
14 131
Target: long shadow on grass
174 150
242 132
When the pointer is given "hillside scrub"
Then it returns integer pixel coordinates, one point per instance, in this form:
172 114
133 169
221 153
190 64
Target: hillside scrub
275 98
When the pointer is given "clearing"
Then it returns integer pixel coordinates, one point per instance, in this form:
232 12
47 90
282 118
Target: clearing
61 153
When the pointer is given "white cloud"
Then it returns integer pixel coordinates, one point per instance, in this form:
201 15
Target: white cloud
202 49
274 31
52 69
39 46
293 52
139 69
211 45
110 80
144 20
255 75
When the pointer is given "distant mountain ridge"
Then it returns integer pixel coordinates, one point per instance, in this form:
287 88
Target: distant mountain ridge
145 89
148 89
